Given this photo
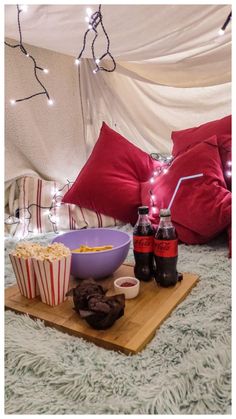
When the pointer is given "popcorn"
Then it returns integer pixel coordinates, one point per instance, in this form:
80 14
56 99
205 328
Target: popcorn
42 270
21 260
51 252
26 249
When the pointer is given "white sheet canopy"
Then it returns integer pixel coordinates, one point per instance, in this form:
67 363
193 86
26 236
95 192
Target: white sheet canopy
173 71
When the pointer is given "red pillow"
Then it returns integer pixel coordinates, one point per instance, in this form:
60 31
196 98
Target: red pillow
188 137
110 180
202 206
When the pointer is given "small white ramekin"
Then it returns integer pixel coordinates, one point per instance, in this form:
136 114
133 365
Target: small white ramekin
130 292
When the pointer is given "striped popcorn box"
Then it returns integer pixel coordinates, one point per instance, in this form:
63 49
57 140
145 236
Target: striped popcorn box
25 276
53 279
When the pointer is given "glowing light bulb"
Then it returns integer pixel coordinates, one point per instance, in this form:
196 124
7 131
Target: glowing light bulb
89 11
89 26
154 210
95 71
12 101
155 173
228 173
152 180
165 171
9 220
221 32
50 102
77 61
27 55
229 163
87 19
97 61
45 70
23 7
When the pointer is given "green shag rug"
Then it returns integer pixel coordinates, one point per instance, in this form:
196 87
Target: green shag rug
185 369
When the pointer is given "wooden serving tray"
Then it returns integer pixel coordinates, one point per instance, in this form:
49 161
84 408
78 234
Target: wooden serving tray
129 334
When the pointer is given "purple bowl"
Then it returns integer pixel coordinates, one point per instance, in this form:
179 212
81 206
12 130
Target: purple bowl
96 264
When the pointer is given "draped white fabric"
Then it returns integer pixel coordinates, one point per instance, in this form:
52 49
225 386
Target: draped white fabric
143 112
173 72
175 45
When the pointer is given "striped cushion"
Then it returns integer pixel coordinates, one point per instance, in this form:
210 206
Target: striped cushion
41 209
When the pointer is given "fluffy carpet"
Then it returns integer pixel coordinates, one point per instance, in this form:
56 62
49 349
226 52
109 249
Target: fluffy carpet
185 369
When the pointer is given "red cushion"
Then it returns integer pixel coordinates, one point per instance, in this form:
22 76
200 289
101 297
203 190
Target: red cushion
202 206
188 137
110 180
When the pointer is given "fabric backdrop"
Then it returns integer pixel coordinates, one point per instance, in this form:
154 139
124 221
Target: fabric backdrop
175 45
173 72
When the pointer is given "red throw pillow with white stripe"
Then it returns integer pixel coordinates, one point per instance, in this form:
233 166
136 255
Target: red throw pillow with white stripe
201 208
41 209
110 180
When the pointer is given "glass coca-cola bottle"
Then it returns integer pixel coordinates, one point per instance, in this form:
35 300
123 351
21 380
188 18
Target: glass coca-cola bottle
143 235
166 251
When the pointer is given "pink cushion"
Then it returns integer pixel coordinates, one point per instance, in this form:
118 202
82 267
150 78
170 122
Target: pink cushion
202 206
110 180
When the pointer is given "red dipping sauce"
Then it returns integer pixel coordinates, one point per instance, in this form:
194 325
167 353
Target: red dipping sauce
127 284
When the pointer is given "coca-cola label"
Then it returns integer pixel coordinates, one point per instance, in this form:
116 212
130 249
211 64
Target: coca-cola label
143 244
166 248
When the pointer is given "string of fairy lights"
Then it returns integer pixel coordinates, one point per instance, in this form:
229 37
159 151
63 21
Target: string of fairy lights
20 45
94 20
57 195
164 165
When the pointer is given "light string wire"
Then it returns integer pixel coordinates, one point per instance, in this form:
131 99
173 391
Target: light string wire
228 19
11 220
95 19
36 67
166 162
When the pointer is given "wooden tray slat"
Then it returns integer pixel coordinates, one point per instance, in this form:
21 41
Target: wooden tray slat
129 334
